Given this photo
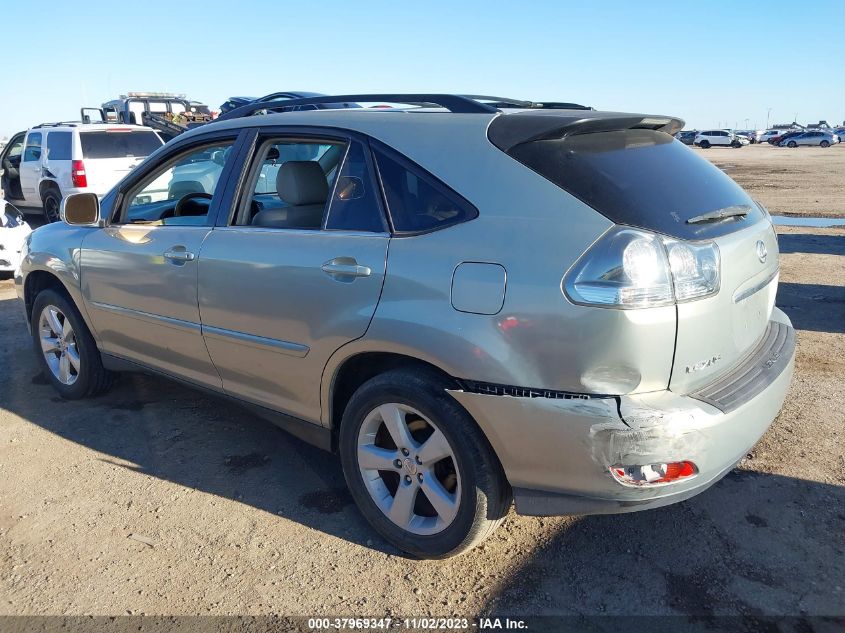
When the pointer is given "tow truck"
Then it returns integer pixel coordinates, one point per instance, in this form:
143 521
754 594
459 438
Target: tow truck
168 113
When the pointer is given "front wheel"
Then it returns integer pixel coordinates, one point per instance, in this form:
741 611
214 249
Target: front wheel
68 355
825 144
792 144
418 467
736 144
704 144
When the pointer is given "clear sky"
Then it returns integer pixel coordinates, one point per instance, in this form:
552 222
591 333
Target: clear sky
712 63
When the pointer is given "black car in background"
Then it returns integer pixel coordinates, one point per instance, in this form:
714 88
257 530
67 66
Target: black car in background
687 137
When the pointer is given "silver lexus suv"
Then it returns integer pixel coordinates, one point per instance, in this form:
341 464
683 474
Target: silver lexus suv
471 301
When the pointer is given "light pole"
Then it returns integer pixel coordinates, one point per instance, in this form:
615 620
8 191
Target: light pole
768 112
746 124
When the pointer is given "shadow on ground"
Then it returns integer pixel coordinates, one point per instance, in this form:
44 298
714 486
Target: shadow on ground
813 307
737 549
185 436
812 243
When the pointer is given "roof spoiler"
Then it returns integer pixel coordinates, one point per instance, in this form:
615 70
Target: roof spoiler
508 131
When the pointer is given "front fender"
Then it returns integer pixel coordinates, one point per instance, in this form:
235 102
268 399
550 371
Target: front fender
54 249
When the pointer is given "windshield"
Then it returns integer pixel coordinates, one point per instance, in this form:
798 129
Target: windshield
641 178
119 143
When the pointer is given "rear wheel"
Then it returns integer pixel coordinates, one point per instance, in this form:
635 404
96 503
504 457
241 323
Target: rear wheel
66 350
418 467
51 200
825 144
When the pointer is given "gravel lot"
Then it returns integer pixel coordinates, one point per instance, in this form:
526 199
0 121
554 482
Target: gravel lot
799 181
156 499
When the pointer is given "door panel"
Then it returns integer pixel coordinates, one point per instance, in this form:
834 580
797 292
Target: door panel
139 275
140 291
30 168
275 304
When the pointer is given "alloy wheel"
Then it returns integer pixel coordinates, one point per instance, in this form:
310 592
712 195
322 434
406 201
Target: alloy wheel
58 344
409 469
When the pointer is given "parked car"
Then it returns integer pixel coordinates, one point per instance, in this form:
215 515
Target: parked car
784 135
687 137
765 136
53 160
709 138
13 232
432 295
748 135
816 138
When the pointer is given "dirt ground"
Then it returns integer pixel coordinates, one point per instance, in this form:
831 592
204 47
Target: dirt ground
156 499
799 181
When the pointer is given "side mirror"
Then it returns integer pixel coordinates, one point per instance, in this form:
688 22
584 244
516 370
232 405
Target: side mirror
81 209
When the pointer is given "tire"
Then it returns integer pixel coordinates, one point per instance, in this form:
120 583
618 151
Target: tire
792 144
736 144
704 145
825 144
51 201
470 475
87 376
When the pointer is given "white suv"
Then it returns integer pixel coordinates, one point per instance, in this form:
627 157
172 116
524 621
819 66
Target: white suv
50 161
718 137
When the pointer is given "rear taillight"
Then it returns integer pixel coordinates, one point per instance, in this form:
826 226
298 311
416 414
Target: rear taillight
632 268
77 174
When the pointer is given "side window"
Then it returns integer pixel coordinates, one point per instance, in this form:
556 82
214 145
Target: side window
416 200
290 184
181 191
354 205
16 148
32 151
59 145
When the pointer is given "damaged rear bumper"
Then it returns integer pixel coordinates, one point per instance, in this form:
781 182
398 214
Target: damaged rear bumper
557 452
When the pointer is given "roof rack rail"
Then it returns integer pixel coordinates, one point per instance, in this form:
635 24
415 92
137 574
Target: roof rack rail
57 124
454 103
506 102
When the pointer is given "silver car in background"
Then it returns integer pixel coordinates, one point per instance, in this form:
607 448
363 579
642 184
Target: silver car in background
811 138
470 303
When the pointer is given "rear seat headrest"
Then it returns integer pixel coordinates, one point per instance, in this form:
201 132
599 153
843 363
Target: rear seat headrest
302 182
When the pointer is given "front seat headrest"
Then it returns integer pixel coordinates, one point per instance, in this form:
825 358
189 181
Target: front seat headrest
301 182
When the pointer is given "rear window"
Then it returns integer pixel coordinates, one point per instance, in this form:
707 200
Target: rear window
640 178
115 144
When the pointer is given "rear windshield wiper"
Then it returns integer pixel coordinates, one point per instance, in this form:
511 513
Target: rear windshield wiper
738 211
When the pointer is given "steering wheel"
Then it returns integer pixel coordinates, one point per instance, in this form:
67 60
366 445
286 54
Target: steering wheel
180 206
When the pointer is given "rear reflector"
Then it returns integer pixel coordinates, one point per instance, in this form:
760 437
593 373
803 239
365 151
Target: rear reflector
77 174
653 474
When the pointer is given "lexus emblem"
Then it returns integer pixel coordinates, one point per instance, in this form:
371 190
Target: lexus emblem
762 253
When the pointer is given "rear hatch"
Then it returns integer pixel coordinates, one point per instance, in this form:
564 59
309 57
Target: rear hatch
110 154
630 169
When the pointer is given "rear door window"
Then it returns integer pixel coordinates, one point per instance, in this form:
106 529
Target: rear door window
59 145
417 201
119 143
354 205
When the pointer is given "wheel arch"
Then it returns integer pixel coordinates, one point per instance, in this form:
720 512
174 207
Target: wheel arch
343 377
37 281
46 185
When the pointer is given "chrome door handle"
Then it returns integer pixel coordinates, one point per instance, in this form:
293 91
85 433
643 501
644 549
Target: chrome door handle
345 267
180 256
